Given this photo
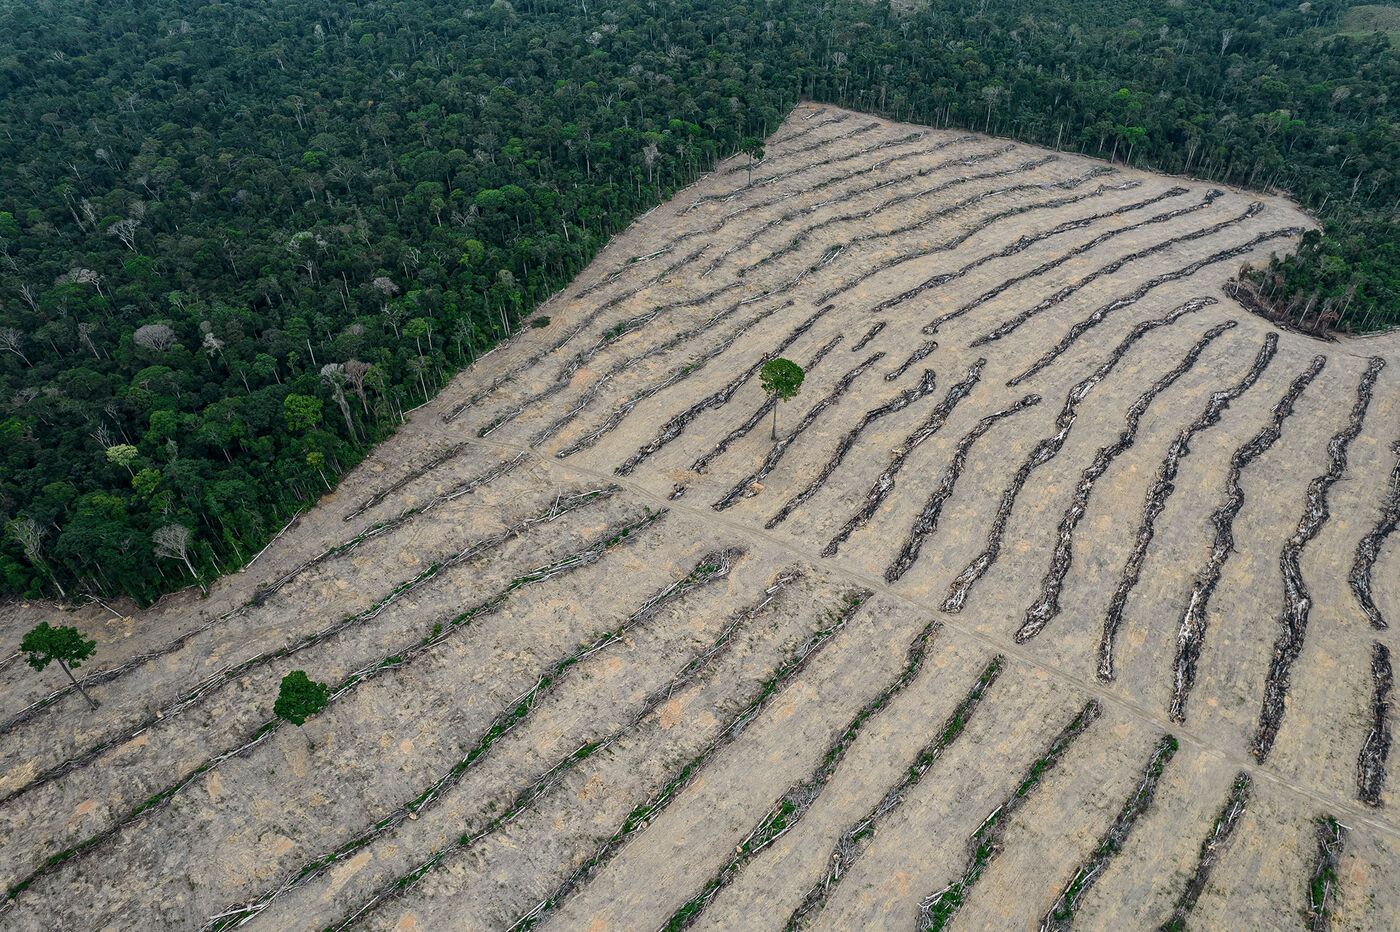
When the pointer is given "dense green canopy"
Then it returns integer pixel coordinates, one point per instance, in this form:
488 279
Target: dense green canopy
238 239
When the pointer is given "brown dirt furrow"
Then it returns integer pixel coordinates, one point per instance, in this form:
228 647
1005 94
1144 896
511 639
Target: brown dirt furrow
525 365
856 838
497 820
975 228
260 594
206 688
630 325
1098 316
1060 916
787 140
1014 323
618 414
884 483
1215 844
787 218
899 402
926 525
799 239
643 814
842 177
1048 448
590 394
571 368
1368 549
1078 223
936 911
1047 606
711 567
711 230
767 180
380 528
1297 598
792 805
619 534
414 474
1191 628
679 422
978 199
816 145
550 788
1164 484
614 334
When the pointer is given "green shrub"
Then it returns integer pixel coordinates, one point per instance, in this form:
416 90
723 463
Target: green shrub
300 697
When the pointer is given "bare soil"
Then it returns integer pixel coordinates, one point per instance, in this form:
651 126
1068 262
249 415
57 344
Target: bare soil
579 666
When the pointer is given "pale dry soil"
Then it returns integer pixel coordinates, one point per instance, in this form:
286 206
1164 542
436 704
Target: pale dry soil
701 664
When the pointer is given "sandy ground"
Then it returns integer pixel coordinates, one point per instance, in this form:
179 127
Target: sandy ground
576 670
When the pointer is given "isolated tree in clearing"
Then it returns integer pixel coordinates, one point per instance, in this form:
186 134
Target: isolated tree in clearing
781 378
45 644
752 146
300 697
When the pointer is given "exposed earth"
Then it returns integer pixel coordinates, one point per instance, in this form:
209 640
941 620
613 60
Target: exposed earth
1060 597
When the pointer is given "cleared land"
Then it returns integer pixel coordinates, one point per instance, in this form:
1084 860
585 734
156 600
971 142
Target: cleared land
1061 598
1370 18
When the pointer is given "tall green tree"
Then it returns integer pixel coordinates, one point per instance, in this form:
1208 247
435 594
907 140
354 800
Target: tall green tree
751 146
45 644
782 379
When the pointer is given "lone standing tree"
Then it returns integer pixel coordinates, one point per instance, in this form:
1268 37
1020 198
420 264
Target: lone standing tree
781 378
45 644
752 146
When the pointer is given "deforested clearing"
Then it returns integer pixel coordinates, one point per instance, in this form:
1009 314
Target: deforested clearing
604 654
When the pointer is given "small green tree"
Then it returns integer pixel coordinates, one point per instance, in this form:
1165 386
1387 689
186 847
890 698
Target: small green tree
300 697
317 461
781 378
45 644
301 412
123 454
752 146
